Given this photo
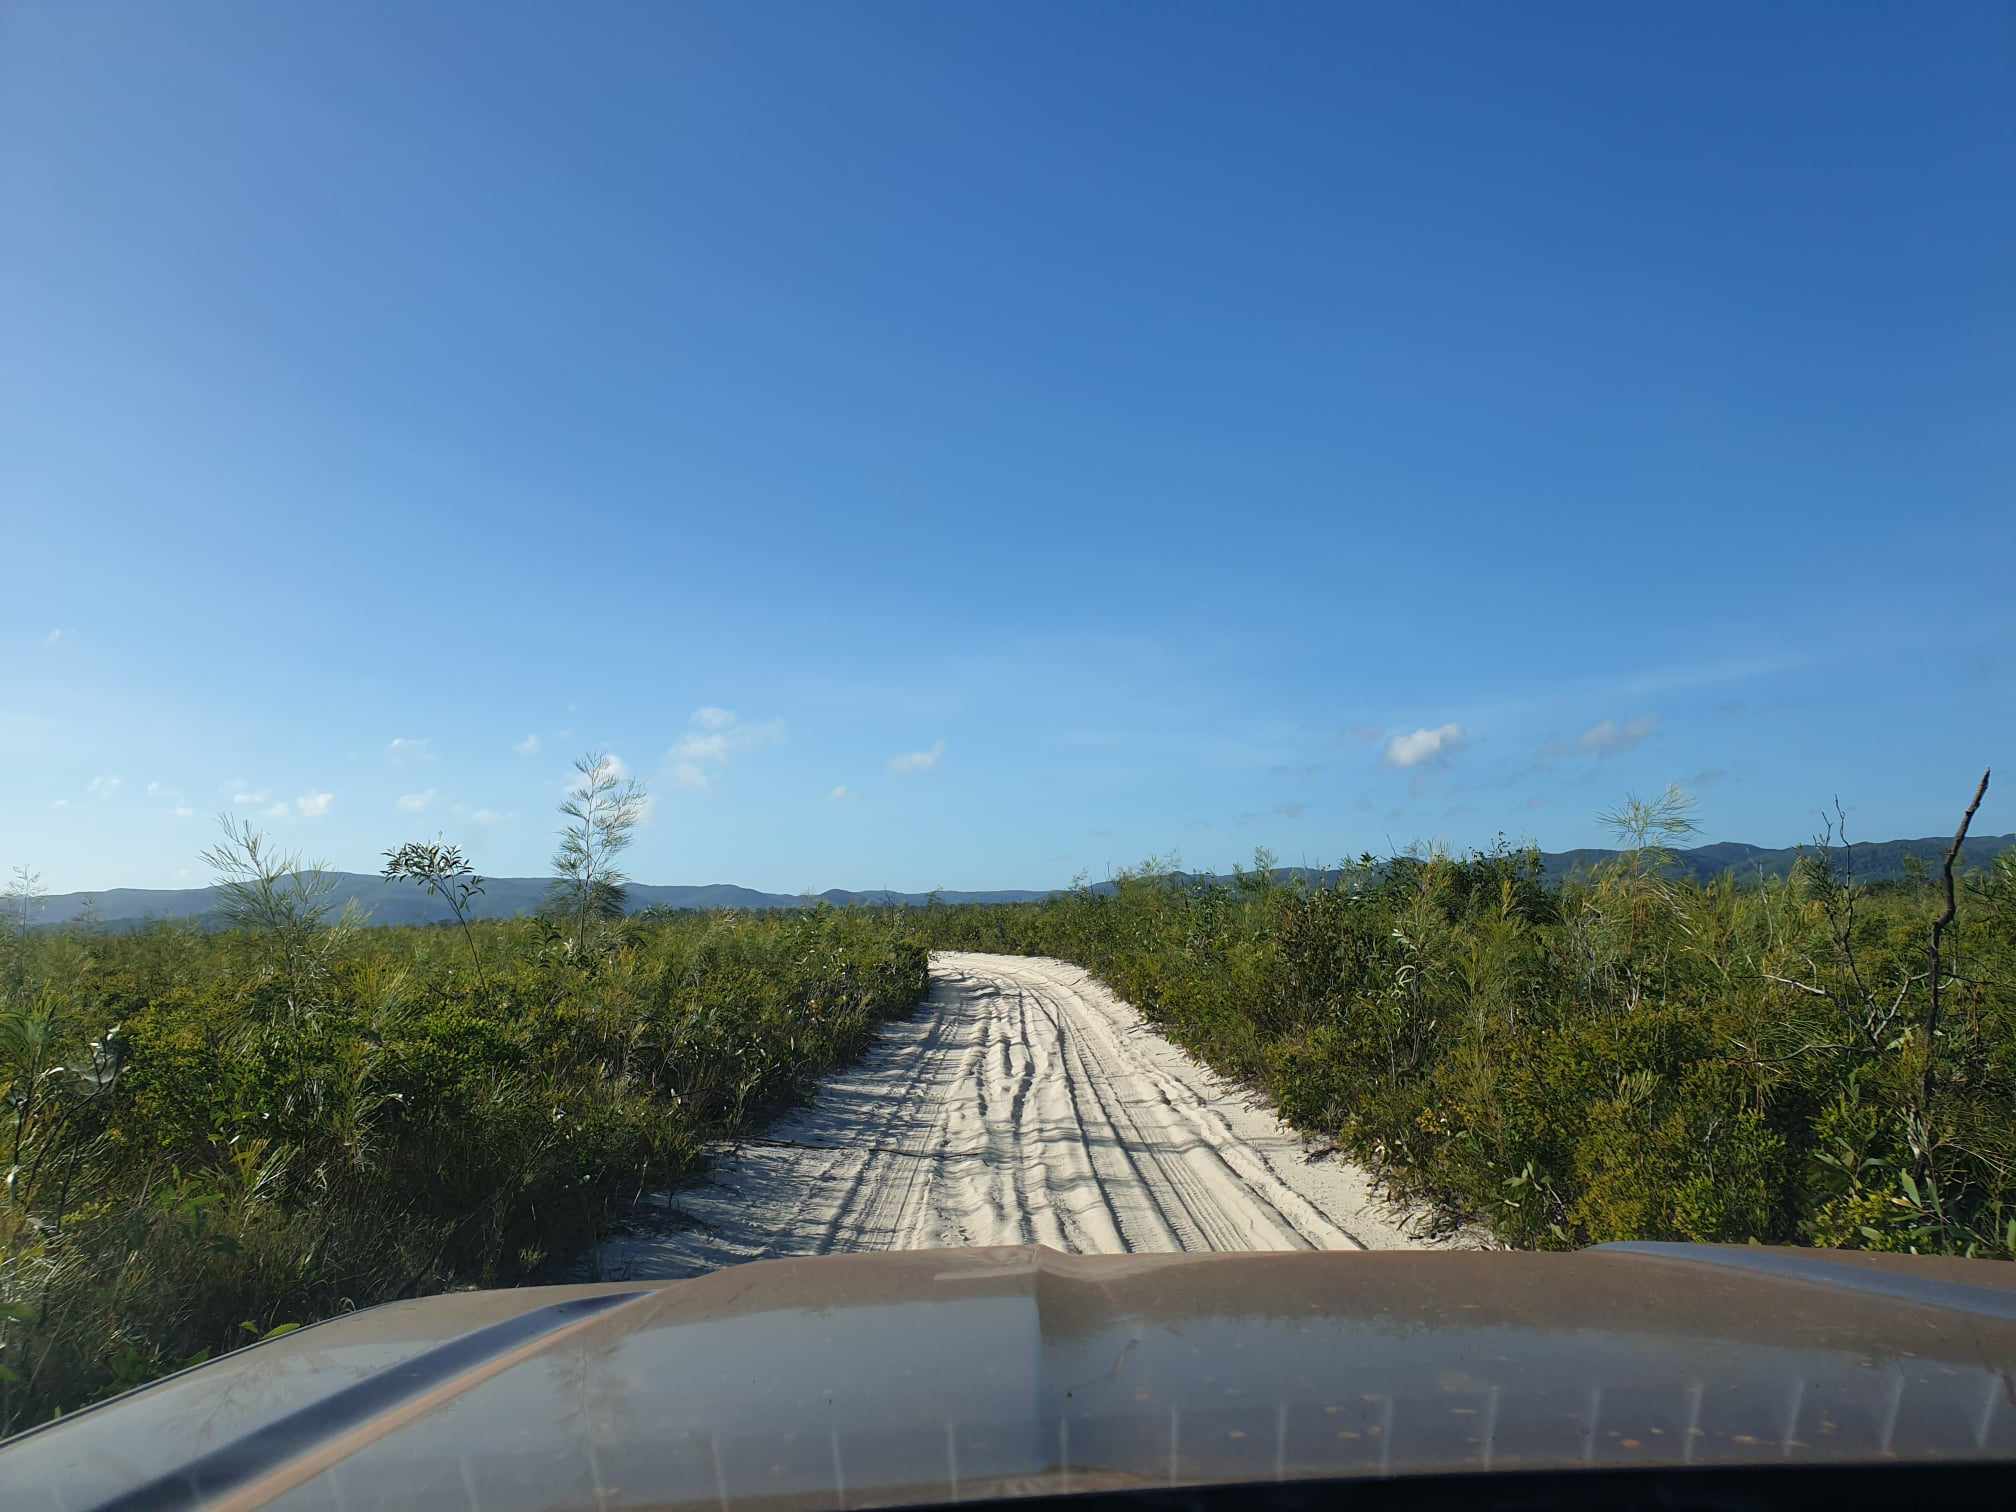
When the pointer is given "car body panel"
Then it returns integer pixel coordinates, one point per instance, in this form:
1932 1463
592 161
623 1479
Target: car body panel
885 1379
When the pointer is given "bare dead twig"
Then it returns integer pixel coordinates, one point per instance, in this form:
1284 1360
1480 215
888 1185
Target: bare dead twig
1939 927
1819 992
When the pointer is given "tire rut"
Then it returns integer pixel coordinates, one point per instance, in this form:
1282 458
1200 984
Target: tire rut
1022 1103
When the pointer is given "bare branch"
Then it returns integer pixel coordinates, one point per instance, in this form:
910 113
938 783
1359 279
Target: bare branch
1939 927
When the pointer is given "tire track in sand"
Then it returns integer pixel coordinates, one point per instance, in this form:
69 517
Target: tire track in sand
1021 1103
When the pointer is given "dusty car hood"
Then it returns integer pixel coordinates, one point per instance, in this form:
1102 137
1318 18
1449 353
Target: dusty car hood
855 1380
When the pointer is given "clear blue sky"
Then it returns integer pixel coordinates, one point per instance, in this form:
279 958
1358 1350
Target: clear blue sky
1174 427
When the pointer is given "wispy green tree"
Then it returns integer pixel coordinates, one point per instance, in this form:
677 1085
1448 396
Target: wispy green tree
445 872
19 905
287 904
1626 925
24 896
603 811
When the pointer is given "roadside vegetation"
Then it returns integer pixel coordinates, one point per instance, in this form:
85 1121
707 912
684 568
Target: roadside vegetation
213 1135
1626 1056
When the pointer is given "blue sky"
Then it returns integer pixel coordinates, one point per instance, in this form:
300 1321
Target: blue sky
969 445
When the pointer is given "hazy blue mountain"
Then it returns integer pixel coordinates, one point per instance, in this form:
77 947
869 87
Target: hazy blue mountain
1873 860
502 898
509 897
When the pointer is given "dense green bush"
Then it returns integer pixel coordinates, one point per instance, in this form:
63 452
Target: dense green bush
1623 1057
211 1136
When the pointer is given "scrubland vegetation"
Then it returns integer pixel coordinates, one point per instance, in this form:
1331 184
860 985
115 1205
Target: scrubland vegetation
1624 1057
213 1135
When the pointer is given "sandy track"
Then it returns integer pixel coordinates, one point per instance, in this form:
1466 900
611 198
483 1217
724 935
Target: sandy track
1021 1104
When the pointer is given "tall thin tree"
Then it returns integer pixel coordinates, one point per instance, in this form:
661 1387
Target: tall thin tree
445 872
603 810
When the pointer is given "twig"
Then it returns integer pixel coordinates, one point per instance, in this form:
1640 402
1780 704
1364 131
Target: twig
1939 926
1819 992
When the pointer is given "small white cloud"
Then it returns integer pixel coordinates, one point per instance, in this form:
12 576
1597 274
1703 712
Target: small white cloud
715 735
702 747
529 746
275 810
53 638
840 792
183 811
1424 746
918 761
416 803
410 747
313 805
251 795
1608 738
55 803
104 787
488 816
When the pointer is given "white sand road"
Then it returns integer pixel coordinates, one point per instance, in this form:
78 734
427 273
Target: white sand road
1021 1104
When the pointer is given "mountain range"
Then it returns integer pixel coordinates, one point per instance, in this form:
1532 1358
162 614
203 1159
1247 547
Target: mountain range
508 897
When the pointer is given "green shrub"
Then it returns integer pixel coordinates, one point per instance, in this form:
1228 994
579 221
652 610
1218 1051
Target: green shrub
1626 1056
216 1135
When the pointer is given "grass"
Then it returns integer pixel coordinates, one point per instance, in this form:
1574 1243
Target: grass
213 1136
1626 1056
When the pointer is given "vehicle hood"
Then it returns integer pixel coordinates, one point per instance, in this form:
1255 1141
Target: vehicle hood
884 1379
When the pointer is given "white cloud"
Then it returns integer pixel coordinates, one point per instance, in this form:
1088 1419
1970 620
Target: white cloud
488 816
104 787
1608 738
840 792
275 810
416 803
54 637
245 793
713 737
918 761
313 805
59 803
410 746
529 746
183 811
702 747
1424 746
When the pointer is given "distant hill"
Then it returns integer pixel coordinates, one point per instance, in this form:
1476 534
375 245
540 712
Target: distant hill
502 898
510 897
1874 860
